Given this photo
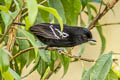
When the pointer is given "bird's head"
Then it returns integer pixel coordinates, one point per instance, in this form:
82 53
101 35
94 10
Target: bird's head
87 35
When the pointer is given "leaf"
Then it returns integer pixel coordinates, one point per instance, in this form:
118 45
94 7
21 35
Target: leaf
42 67
30 57
101 68
11 75
7 76
14 74
81 49
89 14
4 62
22 44
93 8
72 11
103 40
8 3
31 38
53 59
3 8
56 4
84 3
112 76
0 76
54 12
45 54
8 18
32 10
65 62
43 16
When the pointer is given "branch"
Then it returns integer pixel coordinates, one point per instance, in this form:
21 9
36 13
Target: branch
62 52
106 9
106 24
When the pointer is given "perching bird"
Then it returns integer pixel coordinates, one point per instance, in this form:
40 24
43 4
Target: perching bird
51 35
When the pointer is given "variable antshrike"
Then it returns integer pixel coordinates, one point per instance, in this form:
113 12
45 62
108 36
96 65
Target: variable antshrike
51 35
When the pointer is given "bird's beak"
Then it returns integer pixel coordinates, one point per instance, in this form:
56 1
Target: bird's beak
92 40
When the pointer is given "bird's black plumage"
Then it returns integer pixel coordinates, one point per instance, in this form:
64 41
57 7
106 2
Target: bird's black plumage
51 35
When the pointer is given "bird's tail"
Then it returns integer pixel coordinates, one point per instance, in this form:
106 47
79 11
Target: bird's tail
19 24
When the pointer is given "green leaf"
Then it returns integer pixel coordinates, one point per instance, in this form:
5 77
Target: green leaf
45 54
103 40
8 3
3 8
8 18
93 8
32 10
56 4
71 10
112 76
65 62
22 44
7 76
84 3
81 49
89 14
42 67
4 62
31 38
30 57
14 74
0 76
53 59
43 16
54 12
101 68
11 75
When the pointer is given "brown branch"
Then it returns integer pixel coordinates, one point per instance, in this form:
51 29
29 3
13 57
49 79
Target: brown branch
100 6
106 9
62 52
106 24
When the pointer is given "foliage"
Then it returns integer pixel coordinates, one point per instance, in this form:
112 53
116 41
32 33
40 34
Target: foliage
36 11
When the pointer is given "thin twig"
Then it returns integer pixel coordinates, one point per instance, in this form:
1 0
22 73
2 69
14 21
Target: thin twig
100 7
64 53
106 9
106 24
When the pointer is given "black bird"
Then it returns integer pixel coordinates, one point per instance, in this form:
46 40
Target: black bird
51 35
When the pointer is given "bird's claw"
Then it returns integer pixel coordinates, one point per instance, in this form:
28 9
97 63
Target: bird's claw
61 51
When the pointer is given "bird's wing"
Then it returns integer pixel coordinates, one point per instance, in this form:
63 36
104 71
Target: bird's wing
47 30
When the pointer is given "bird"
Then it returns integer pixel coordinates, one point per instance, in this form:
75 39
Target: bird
51 35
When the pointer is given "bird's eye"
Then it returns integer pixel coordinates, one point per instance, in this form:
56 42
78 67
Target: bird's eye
84 37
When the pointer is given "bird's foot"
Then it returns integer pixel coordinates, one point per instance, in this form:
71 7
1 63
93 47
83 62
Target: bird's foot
61 51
